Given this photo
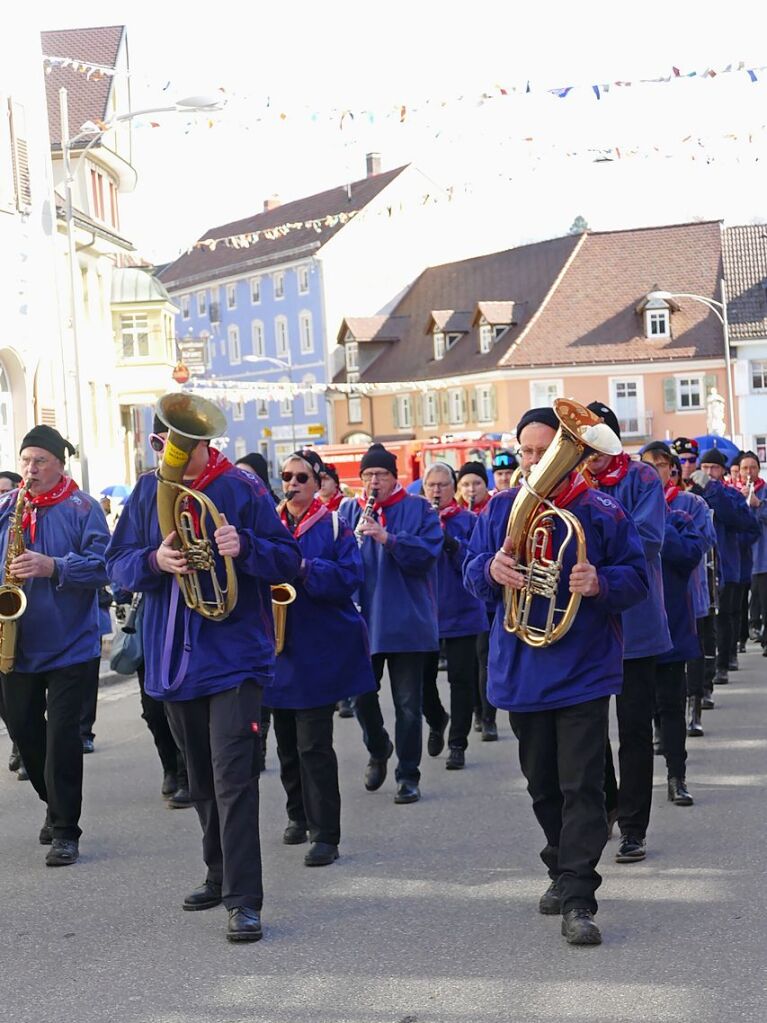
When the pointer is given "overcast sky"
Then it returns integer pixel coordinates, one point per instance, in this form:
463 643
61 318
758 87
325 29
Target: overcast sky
310 61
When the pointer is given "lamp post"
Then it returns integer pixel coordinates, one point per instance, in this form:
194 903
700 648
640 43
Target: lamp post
283 364
95 132
719 309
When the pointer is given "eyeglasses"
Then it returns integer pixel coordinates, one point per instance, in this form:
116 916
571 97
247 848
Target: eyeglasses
437 486
687 458
299 477
157 443
368 476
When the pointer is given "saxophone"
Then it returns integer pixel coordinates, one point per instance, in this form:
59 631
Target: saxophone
13 600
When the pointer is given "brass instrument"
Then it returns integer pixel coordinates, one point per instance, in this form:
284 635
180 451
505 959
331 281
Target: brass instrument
365 515
516 476
529 528
191 419
13 599
282 595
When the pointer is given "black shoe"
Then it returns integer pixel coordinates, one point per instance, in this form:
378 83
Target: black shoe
244 925
321 854
764 651
631 849
206 896
375 772
578 928
733 665
694 724
678 794
489 731
550 903
169 784
88 746
456 759
14 760
46 832
62 852
294 833
21 774
720 679
345 708
707 702
180 799
407 792
436 741
741 647
477 722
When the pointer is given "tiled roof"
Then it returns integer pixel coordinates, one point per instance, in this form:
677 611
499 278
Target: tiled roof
373 328
202 265
449 320
745 265
87 98
496 313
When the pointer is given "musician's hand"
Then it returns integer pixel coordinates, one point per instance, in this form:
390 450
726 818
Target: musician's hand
227 539
503 570
169 559
701 478
584 580
753 501
32 565
372 528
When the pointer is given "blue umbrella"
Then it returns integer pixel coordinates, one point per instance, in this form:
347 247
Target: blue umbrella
713 440
116 490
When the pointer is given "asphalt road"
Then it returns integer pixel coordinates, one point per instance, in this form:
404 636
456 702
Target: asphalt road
429 916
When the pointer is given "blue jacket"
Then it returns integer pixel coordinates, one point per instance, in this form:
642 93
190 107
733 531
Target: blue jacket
222 653
683 547
326 657
703 521
731 518
460 613
399 594
640 492
60 626
759 551
587 662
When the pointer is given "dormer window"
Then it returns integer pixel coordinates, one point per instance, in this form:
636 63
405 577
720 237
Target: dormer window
657 323
351 349
451 340
439 345
486 338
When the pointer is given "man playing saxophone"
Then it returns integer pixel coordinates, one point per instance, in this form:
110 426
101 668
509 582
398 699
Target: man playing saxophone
60 565
558 694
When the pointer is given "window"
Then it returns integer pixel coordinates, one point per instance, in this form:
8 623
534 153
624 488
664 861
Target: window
281 336
354 408
485 399
759 376
202 303
279 285
238 411
286 405
543 392
240 448
310 397
97 195
303 280
231 296
235 354
352 352
499 331
403 411
439 345
456 406
430 408
451 340
113 209
255 290
485 338
689 393
627 401
760 446
134 332
262 408
305 332
257 338
185 307
657 323
15 182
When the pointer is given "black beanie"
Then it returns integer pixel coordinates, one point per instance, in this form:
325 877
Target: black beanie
48 439
12 476
473 469
606 413
713 457
658 445
377 457
257 463
545 416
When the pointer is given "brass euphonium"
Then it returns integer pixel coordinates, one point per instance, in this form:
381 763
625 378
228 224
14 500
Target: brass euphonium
191 419
530 527
282 595
13 600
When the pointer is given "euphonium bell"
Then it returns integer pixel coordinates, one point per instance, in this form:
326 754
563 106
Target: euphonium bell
282 595
530 526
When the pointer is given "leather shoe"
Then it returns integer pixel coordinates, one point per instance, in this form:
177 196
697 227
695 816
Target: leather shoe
206 896
477 722
678 794
550 903
88 746
46 832
180 799
345 708
244 925
375 772
578 928
456 759
631 849
62 852
169 784
321 854
489 731
436 741
733 664
407 792
14 760
294 833
721 679
707 702
22 774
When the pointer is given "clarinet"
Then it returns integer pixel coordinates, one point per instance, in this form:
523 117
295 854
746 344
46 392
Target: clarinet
365 516
130 620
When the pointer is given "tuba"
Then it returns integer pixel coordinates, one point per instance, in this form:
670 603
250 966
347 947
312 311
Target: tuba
13 599
191 419
530 527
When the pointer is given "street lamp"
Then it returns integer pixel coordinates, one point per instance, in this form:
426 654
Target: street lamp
288 365
94 132
719 309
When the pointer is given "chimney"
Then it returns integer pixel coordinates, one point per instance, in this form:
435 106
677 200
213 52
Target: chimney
373 161
272 202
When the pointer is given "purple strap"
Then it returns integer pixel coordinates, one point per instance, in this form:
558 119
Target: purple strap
167 650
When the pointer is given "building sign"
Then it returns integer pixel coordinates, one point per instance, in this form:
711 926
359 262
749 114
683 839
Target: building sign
300 430
193 356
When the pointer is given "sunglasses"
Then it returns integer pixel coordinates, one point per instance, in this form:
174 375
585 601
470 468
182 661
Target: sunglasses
687 458
299 477
156 442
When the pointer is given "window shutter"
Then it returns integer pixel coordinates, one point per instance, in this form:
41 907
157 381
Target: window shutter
395 412
444 403
474 406
418 401
493 404
20 158
464 405
669 394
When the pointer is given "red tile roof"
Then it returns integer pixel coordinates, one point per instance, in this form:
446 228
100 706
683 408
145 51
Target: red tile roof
745 262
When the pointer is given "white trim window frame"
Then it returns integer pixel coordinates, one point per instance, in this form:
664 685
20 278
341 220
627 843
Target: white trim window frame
255 290
231 296
278 282
758 374
627 401
439 345
455 401
544 392
486 338
430 408
484 397
257 340
354 408
404 411
302 274
286 405
262 408
311 404
185 307
202 302
657 323
690 392
281 337
238 411
352 356
235 352
240 448
305 332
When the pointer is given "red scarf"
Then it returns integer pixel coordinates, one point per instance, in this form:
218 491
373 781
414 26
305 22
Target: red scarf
743 488
398 494
335 501
671 491
314 513
480 506
613 472
58 493
216 466
576 485
447 513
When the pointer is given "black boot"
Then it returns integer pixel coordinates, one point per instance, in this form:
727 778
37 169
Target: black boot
707 702
14 760
694 708
678 794
657 741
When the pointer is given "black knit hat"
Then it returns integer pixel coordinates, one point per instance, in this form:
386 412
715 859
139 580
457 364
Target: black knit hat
713 457
377 457
255 461
330 470
473 469
504 460
14 477
605 412
685 446
545 416
48 439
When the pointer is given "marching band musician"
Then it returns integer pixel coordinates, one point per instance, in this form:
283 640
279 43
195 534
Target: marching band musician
755 493
472 487
401 540
504 466
687 450
461 618
558 696
61 570
330 487
211 673
308 686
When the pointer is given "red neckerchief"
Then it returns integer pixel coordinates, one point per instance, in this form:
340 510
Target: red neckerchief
758 484
216 466
335 501
447 513
613 472
316 511
398 494
479 506
58 493
671 490
576 485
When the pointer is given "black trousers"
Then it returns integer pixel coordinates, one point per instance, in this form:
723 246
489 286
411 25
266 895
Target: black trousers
562 755
742 630
219 735
727 624
633 798
701 670
309 769
759 587
90 699
461 653
406 678
486 709
153 712
670 706
43 714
